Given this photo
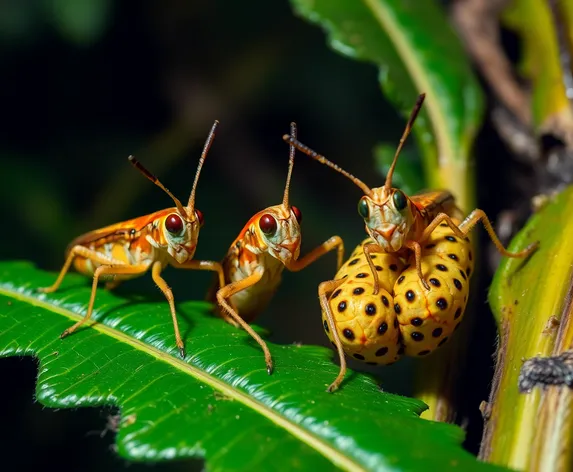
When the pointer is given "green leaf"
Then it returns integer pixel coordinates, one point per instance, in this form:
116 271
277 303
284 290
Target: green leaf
531 301
540 63
220 403
82 22
416 51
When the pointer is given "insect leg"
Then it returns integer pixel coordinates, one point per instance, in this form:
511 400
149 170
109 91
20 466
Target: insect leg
228 291
214 267
475 216
205 265
335 242
104 270
76 251
465 227
368 248
324 290
160 282
415 246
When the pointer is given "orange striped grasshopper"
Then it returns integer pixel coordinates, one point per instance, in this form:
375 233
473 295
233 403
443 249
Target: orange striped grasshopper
253 266
126 250
398 223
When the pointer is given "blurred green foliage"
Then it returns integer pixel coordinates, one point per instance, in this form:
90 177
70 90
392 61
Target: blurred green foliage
81 23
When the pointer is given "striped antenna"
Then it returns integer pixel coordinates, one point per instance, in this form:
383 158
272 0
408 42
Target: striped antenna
323 160
290 166
206 147
139 166
409 124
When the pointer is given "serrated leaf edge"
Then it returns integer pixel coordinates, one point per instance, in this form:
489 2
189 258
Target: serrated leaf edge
316 443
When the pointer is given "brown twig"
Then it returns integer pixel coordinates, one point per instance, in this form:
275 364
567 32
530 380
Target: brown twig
477 22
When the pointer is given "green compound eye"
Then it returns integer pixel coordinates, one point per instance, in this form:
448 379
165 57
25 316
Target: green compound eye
363 209
400 201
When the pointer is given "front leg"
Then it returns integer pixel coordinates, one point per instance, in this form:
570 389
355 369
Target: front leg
214 267
160 282
333 243
415 246
205 265
368 249
228 291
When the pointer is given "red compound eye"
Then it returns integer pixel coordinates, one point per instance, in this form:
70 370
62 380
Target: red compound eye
174 224
297 214
268 224
200 217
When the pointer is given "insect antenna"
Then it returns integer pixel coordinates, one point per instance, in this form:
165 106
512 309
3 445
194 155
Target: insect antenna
290 166
139 166
409 124
323 160
206 147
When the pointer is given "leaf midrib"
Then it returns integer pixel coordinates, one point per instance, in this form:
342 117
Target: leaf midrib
438 120
452 169
313 441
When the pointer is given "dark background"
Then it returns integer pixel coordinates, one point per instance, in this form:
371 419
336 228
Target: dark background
82 89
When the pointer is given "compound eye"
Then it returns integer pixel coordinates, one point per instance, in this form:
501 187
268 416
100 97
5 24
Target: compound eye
200 217
174 224
297 214
363 209
268 224
400 201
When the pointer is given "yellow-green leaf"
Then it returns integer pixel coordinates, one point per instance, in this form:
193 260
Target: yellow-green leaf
533 22
531 303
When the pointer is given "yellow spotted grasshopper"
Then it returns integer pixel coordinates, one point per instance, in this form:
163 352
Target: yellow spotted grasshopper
129 249
253 266
405 288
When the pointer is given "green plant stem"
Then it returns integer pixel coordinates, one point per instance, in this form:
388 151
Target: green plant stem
531 301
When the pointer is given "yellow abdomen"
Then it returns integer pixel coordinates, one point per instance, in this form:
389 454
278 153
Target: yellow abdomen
404 318
367 325
118 253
